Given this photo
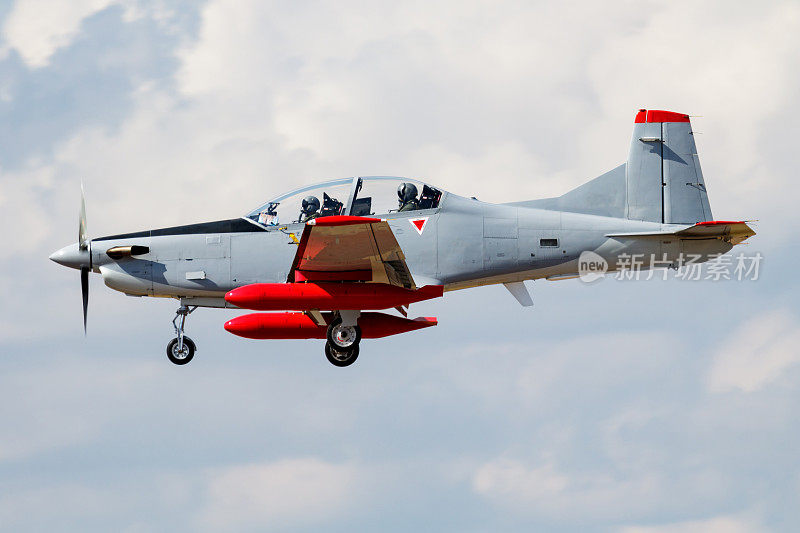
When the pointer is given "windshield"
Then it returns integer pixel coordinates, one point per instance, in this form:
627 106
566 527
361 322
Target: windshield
364 196
304 204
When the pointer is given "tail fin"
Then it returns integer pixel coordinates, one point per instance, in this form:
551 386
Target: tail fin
663 179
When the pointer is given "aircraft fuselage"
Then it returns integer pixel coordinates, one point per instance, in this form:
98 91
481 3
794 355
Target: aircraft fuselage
464 243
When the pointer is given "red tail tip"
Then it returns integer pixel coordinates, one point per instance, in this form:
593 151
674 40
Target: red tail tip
656 115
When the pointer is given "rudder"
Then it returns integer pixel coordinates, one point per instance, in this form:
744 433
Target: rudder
663 179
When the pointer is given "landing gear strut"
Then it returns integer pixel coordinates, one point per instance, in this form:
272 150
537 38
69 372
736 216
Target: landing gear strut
180 350
343 340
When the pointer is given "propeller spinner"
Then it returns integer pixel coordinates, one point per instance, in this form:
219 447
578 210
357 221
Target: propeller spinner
79 256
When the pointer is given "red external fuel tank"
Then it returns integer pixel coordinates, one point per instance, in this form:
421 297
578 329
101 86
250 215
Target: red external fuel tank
301 326
327 296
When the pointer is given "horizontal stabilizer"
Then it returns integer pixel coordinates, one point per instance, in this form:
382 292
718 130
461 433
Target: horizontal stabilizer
729 231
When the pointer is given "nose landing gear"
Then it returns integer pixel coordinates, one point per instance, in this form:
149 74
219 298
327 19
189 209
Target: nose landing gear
180 350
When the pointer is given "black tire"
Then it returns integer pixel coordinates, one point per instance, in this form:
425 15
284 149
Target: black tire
175 356
353 338
339 357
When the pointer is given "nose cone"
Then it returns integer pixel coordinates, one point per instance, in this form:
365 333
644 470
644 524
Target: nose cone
71 256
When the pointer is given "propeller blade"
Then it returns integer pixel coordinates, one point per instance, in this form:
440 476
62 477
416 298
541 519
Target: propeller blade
85 294
82 235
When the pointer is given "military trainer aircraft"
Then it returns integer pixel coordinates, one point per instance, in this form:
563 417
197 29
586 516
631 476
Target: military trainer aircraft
324 260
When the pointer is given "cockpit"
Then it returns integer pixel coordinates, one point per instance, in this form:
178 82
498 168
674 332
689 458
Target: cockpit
361 196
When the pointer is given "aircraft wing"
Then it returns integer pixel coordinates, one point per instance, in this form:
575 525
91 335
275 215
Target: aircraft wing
348 248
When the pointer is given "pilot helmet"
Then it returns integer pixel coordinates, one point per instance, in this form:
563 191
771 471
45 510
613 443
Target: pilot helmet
310 205
407 192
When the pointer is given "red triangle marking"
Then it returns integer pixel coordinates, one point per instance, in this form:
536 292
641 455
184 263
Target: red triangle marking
418 224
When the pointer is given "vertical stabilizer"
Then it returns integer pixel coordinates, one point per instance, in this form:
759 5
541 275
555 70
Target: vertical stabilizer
663 179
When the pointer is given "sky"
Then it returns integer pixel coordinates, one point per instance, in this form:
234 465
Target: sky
620 406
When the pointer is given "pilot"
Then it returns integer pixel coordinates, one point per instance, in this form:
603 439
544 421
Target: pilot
310 208
407 197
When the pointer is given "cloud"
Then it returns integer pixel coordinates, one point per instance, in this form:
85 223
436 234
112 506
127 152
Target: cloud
37 28
761 349
512 479
393 88
539 374
273 495
717 524
87 393
730 65
23 199
20 509
540 490
610 429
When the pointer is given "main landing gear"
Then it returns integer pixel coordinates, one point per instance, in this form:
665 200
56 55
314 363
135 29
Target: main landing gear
344 335
180 350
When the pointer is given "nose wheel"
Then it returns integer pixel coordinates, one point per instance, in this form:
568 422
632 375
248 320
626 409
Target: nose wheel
180 350
181 355
343 340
